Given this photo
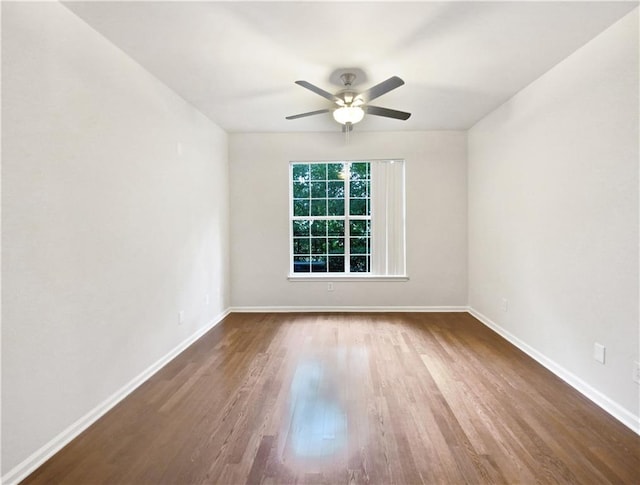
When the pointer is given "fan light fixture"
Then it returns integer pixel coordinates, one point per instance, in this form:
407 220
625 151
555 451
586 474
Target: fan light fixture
350 106
348 114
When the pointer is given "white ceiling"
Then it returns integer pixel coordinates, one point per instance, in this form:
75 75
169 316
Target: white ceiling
237 61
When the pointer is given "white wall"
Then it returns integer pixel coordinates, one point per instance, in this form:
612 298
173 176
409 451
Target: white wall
436 218
107 231
553 215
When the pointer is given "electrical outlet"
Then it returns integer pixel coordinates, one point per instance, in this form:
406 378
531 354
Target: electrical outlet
330 286
505 305
598 352
636 372
180 317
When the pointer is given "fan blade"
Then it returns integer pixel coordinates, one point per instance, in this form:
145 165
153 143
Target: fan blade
319 91
310 113
383 88
387 113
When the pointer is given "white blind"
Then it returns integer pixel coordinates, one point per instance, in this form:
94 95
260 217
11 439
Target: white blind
388 218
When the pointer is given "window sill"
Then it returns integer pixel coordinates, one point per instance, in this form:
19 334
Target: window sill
336 277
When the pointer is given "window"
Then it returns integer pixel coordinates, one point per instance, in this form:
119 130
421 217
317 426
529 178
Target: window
342 214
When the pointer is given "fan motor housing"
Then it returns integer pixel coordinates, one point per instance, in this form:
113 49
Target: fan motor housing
347 95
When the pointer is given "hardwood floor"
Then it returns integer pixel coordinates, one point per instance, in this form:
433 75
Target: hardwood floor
351 398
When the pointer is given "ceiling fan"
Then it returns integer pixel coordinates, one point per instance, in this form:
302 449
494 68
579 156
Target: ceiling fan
351 106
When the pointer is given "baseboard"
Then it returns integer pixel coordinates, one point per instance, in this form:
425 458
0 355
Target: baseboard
363 309
614 409
31 463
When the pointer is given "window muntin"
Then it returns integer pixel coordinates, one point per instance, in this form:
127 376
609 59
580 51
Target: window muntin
331 217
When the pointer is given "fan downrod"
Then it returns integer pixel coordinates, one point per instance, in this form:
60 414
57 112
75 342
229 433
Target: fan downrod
347 78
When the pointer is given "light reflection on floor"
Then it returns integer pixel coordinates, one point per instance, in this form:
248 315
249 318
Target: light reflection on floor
321 406
318 422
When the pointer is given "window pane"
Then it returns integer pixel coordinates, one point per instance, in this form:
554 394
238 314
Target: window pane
318 171
301 264
336 245
319 246
318 190
319 207
319 228
335 228
301 245
319 264
359 188
359 264
359 171
358 207
360 228
335 171
336 264
301 172
301 208
335 190
335 207
300 190
301 228
359 245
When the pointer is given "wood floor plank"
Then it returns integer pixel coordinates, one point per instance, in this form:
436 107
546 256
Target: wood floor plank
351 398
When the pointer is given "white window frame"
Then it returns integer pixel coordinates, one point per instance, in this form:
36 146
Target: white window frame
382 232
346 218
